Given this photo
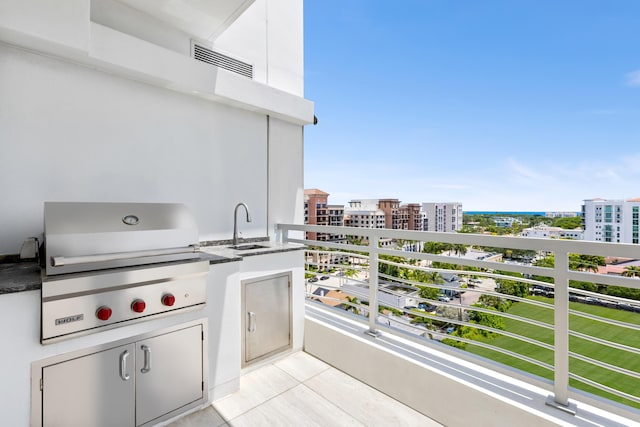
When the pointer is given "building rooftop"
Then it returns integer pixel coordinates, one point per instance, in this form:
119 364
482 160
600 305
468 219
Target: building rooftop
315 191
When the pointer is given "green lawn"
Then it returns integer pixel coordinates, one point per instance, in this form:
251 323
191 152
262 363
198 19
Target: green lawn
603 353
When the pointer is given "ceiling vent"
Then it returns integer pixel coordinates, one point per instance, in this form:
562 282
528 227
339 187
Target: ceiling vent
218 59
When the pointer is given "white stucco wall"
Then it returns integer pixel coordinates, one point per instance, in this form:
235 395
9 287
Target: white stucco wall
70 132
117 111
270 36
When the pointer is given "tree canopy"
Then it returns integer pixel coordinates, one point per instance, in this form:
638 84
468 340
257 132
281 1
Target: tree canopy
568 223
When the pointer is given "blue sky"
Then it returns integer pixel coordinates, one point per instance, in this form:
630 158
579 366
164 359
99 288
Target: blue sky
500 105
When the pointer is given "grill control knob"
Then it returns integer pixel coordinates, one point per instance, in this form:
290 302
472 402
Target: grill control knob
168 300
138 306
103 313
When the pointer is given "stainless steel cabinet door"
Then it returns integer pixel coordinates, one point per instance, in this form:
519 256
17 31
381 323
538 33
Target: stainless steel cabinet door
267 309
93 390
169 372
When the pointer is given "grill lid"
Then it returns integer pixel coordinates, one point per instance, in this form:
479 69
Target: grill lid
90 236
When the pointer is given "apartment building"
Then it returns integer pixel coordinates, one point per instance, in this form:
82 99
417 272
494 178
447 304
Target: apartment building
336 219
364 213
616 221
560 214
396 216
364 218
390 207
411 217
443 217
315 211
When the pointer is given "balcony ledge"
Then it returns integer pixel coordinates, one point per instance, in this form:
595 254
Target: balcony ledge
446 388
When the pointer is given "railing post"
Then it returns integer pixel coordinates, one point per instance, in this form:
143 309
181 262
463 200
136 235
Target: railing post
560 399
373 284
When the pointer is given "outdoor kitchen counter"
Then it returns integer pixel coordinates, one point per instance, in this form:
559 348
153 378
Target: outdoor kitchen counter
26 276
269 248
19 277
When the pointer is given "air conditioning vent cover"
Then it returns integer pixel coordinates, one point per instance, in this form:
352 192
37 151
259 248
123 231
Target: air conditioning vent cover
218 59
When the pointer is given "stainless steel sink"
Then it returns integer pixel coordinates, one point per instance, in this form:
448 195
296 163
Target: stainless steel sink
248 246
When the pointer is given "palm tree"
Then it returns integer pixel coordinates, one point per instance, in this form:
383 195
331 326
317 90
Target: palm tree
350 272
584 266
631 271
459 249
350 307
430 277
434 277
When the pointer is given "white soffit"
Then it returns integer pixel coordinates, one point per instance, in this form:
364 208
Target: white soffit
203 19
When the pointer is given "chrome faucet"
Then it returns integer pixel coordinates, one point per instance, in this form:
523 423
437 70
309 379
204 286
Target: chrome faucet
235 221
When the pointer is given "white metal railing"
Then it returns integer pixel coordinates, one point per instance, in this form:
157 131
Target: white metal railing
562 292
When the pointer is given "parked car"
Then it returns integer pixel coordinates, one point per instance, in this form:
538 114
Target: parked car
426 307
444 298
324 277
591 300
313 279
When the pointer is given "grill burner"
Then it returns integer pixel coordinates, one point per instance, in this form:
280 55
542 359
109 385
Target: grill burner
111 264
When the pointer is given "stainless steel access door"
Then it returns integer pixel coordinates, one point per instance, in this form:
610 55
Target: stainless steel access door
94 390
169 372
267 316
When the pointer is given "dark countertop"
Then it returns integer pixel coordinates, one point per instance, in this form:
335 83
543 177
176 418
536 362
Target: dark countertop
16 276
19 277
26 276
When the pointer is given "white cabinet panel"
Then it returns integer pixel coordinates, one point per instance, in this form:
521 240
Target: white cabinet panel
267 316
168 373
93 390
132 382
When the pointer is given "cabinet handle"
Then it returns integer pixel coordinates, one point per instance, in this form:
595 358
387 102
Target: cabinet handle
147 359
123 366
252 321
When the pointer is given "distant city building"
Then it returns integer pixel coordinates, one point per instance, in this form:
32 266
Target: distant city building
380 213
396 216
315 211
442 217
560 214
543 231
365 204
336 215
614 221
409 217
415 218
506 221
318 212
363 217
391 208
365 213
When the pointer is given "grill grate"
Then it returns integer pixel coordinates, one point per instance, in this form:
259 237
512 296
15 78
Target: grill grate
223 61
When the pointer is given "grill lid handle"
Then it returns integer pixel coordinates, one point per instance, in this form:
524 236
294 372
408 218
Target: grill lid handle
59 261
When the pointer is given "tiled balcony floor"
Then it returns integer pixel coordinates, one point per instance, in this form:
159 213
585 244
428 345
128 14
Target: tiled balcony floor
301 390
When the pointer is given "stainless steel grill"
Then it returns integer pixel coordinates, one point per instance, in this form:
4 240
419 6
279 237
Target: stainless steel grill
110 264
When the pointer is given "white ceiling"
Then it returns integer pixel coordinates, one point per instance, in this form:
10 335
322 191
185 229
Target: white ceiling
203 19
